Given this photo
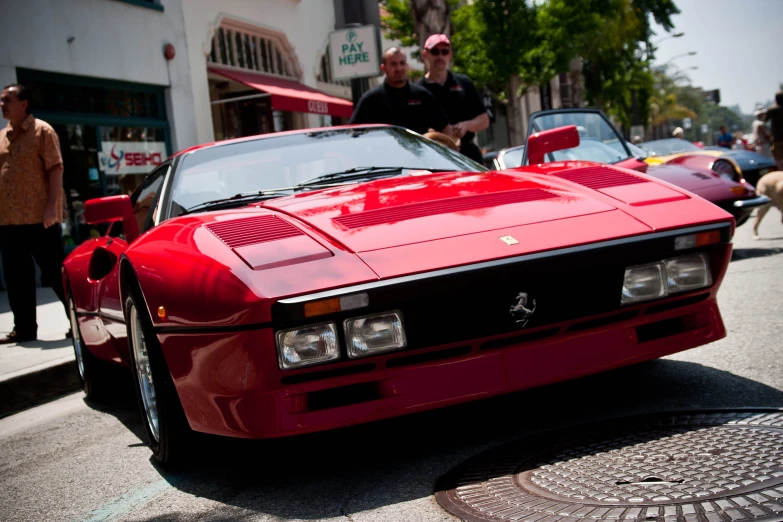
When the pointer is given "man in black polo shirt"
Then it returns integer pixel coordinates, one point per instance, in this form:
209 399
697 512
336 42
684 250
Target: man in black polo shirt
456 94
399 102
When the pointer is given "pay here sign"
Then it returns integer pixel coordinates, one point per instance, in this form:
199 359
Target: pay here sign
354 52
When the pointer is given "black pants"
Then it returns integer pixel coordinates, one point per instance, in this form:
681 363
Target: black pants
19 245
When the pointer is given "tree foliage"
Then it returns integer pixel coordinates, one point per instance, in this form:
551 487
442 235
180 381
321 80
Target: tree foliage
498 40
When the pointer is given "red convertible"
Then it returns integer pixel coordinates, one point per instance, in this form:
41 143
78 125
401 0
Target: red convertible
308 280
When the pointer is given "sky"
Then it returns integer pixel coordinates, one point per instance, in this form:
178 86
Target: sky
739 46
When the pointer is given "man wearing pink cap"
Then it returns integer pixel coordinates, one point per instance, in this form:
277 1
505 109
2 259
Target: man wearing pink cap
455 93
399 102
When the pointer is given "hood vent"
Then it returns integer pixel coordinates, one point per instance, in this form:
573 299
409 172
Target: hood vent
443 206
250 231
598 178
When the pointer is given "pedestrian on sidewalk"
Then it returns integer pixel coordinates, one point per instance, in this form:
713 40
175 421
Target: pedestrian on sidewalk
31 209
399 102
456 93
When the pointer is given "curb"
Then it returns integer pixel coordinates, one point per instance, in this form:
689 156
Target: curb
33 388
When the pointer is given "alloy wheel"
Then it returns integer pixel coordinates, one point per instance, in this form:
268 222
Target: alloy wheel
144 373
77 338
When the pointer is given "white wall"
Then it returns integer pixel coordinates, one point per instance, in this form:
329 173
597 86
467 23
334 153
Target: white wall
111 40
306 24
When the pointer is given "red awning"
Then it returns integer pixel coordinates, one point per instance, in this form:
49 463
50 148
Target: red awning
288 95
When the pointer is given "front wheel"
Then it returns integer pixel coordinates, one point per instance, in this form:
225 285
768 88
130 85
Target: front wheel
169 434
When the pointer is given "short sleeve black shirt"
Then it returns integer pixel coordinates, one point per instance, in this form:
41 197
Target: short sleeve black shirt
458 97
412 107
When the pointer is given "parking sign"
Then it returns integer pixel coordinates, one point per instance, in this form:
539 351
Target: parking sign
353 53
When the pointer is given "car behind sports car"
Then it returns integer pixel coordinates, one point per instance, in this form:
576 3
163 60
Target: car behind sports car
717 181
740 164
303 281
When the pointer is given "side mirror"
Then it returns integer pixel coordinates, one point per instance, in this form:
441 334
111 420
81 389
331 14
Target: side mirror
542 143
112 208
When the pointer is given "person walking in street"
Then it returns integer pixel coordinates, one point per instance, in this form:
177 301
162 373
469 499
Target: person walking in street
775 118
399 102
725 139
761 137
456 93
31 207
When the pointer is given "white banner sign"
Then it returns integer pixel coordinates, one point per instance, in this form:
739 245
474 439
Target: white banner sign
131 157
354 53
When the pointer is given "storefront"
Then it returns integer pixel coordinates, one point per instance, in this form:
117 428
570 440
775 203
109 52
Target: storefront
111 134
255 84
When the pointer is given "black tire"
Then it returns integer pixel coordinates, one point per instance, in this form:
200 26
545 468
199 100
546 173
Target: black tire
171 445
92 371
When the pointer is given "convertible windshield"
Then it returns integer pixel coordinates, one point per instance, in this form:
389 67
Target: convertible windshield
275 162
597 140
667 146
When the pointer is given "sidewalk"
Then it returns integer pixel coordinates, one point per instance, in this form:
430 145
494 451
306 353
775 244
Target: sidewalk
39 370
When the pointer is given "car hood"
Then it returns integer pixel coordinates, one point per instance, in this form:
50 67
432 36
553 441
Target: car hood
749 160
416 209
691 179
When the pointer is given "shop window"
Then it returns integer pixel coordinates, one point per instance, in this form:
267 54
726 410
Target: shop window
62 94
251 49
325 73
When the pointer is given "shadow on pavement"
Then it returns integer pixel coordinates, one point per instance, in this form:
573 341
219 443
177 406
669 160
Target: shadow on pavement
120 402
749 253
388 462
46 345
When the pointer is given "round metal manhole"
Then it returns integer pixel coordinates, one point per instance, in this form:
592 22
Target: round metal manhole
684 467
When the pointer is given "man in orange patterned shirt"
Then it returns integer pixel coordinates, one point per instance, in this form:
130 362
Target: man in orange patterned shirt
31 208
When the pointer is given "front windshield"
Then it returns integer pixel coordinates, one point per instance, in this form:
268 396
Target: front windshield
667 146
513 157
597 140
284 161
637 151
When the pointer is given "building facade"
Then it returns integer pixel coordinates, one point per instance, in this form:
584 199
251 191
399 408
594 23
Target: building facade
262 66
99 76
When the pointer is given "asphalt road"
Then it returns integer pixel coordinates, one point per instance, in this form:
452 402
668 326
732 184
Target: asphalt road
69 460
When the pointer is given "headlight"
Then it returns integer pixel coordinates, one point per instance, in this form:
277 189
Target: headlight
656 280
643 282
687 273
308 345
371 334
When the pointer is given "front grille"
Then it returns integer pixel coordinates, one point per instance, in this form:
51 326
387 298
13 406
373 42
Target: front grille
468 303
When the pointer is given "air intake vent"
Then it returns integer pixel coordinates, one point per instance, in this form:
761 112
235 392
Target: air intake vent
598 178
250 231
443 206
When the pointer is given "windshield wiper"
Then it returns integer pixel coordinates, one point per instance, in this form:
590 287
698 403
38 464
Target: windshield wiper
239 199
352 173
362 173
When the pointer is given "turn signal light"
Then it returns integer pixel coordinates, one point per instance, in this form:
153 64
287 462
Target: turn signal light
161 312
697 240
336 304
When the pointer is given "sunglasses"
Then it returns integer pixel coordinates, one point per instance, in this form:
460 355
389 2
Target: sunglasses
438 52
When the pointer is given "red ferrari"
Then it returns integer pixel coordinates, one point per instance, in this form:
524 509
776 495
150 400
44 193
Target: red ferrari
308 280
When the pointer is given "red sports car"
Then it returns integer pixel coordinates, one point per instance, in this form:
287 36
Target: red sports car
303 281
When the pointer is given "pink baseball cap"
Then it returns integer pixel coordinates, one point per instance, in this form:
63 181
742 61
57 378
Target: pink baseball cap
436 39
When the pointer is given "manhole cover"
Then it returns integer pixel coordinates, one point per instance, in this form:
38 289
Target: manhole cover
685 467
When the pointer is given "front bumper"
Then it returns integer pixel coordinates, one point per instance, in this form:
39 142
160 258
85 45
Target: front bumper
751 203
229 383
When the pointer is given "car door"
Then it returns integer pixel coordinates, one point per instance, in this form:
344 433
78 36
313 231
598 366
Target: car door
145 200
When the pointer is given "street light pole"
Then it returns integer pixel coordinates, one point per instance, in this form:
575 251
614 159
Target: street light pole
689 53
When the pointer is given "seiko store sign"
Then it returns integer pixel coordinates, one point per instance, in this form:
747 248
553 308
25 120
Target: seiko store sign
131 157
